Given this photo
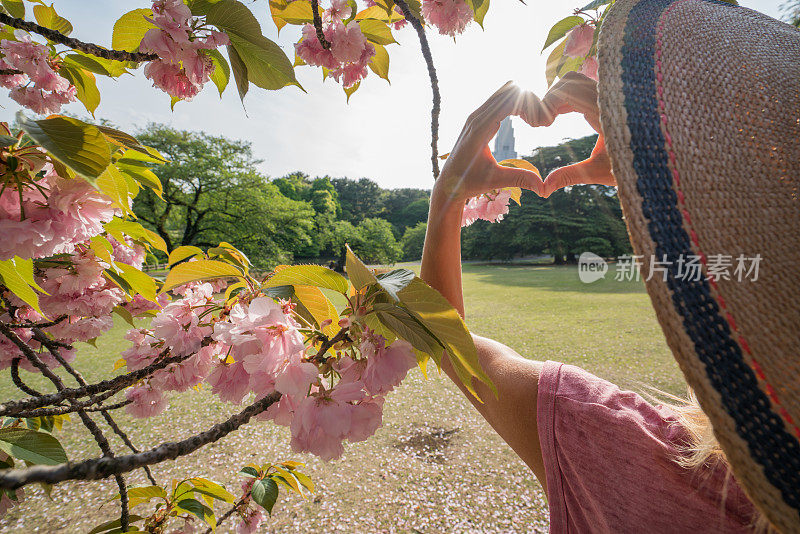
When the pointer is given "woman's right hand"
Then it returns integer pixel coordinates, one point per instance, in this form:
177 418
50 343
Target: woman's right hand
572 93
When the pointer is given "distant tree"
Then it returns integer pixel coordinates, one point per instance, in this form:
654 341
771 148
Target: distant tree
359 199
323 198
404 208
412 241
213 192
791 12
376 242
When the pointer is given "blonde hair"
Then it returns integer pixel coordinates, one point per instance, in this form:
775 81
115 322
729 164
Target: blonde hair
701 449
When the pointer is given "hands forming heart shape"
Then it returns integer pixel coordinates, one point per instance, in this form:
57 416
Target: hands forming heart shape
471 169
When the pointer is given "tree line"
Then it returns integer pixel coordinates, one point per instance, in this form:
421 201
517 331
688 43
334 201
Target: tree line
213 191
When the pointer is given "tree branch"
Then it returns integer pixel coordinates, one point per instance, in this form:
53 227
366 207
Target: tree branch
318 25
103 467
22 386
75 44
437 99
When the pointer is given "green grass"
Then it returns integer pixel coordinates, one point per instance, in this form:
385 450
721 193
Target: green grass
434 466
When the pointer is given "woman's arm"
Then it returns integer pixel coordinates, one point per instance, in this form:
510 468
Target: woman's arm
471 170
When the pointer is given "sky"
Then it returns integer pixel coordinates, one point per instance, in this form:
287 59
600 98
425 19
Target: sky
384 131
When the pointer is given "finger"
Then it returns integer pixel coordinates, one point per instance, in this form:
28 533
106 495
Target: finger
513 177
509 85
585 172
486 124
532 111
572 93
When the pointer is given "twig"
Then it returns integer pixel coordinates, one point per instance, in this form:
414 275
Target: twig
103 467
87 421
437 99
22 386
229 513
9 72
61 410
112 385
318 25
51 345
75 44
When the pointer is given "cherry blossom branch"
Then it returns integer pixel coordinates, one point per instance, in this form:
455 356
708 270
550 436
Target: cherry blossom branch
87 421
437 98
103 467
61 410
229 513
318 25
75 44
112 385
52 345
22 386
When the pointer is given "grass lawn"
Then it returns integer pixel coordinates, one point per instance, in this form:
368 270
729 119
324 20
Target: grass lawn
434 466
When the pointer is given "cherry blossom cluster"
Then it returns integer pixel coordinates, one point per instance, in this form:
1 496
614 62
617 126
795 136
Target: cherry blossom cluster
260 347
76 292
579 44
349 53
450 17
491 206
48 214
38 87
183 66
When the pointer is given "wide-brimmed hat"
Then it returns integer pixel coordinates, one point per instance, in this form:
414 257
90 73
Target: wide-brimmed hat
700 107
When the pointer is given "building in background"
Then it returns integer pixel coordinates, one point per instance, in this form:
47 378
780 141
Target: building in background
504 142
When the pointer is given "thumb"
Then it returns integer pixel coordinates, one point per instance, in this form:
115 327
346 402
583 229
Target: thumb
577 173
514 177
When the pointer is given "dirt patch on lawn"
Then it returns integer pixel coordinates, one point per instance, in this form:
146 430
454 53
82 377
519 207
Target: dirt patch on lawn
427 443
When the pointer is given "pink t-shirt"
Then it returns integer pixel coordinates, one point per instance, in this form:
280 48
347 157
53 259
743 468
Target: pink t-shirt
608 456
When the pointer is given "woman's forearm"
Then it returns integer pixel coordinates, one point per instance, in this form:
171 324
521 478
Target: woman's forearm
441 255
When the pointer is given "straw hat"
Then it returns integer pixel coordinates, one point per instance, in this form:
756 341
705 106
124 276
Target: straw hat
700 107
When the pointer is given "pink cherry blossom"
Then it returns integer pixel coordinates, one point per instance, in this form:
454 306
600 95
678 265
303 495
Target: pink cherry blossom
387 367
139 305
229 381
179 324
310 50
347 42
280 412
450 17
146 401
188 373
296 376
589 68
579 41
490 207
365 418
250 521
339 10
144 351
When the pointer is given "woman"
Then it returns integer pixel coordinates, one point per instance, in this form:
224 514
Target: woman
608 460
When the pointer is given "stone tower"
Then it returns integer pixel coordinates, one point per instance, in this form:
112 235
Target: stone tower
504 142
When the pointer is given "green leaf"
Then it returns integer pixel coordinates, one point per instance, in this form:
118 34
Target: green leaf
114 524
561 28
407 327
595 4
14 275
380 61
554 62
309 275
352 89
239 72
296 12
8 140
85 86
221 73
117 227
265 493
195 507
360 276
144 177
439 316
249 471
130 28
182 253
112 184
46 16
267 65
15 8
139 281
32 446
319 306
304 480
138 152
379 13
208 487
376 31
192 271
479 9
125 314
143 494
76 144
395 280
